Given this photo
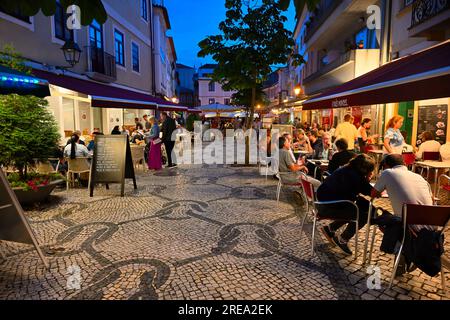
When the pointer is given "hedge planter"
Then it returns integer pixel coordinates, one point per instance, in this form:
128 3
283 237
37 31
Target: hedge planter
27 197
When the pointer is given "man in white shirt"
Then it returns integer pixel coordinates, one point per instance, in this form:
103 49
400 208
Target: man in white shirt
402 185
347 131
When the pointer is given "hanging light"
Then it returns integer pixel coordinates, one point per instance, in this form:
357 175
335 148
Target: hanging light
72 52
297 90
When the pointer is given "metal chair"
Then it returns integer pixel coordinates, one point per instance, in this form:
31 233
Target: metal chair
46 167
409 158
415 214
444 190
280 184
78 165
318 206
137 155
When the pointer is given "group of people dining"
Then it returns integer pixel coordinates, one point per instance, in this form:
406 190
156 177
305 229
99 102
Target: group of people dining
350 172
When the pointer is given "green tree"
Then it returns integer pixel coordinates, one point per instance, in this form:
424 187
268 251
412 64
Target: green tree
299 5
90 9
253 40
27 129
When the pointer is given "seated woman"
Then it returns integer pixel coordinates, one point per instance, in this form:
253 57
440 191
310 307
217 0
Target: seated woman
428 144
342 157
116 131
301 142
75 149
347 183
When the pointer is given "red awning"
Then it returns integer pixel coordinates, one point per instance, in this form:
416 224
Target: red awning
106 96
419 76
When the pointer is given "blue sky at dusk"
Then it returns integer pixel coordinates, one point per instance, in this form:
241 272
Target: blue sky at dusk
193 20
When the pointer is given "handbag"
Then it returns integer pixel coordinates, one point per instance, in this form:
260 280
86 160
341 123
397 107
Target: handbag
157 141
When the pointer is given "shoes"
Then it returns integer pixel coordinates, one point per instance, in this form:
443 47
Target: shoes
172 166
342 245
328 234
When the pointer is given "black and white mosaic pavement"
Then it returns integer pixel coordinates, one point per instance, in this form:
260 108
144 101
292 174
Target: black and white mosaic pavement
195 232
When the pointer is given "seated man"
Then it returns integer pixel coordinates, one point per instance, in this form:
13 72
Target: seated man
347 183
322 150
287 164
342 157
402 186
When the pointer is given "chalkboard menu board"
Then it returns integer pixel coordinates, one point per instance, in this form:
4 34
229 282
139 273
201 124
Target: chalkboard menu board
434 119
14 225
112 161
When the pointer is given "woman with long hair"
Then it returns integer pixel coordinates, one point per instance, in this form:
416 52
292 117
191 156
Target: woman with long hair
154 155
393 138
74 149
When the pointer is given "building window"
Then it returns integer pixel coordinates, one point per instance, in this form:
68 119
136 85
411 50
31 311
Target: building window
227 101
408 2
96 35
135 56
119 47
367 39
144 10
60 18
212 100
212 86
16 14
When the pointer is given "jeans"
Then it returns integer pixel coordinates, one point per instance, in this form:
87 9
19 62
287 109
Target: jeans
350 230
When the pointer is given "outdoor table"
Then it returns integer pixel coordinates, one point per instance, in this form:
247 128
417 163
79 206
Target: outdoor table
436 165
378 154
322 164
299 153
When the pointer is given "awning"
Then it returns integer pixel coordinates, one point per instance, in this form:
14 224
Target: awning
12 81
419 76
190 110
106 96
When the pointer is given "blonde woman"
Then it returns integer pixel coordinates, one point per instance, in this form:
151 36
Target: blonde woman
393 138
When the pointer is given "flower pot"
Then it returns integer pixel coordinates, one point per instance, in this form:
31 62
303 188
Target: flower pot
27 197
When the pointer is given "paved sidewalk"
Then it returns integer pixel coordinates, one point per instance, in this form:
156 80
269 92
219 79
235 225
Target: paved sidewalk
196 232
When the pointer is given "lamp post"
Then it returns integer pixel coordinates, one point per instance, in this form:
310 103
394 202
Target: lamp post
72 52
297 90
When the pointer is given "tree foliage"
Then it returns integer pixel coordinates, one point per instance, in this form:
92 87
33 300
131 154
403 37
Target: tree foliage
27 129
252 40
299 4
90 9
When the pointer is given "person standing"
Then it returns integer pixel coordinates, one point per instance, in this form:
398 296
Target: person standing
168 127
154 154
363 135
138 124
147 124
347 131
393 139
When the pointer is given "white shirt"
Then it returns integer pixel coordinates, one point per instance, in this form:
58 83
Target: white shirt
80 150
347 131
404 186
428 146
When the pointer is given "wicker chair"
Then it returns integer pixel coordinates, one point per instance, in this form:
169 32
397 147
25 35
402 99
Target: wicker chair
79 166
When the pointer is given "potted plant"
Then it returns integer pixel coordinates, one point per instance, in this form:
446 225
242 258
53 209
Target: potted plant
28 132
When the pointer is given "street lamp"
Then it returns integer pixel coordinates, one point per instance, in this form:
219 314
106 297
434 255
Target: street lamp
297 90
72 52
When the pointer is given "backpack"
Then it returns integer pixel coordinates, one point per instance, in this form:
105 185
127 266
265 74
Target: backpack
425 250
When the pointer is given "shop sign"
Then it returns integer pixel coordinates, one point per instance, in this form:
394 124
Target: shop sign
339 103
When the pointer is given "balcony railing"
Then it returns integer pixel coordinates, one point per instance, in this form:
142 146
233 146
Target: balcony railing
102 64
424 10
325 68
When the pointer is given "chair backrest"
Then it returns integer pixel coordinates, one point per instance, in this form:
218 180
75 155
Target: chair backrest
308 188
78 164
44 167
426 214
137 153
431 155
409 158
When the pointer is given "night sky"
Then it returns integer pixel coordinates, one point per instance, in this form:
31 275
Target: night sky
193 20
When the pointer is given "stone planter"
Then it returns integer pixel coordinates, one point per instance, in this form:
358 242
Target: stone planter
31 196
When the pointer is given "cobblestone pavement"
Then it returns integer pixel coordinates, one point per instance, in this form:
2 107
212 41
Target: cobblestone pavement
195 232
